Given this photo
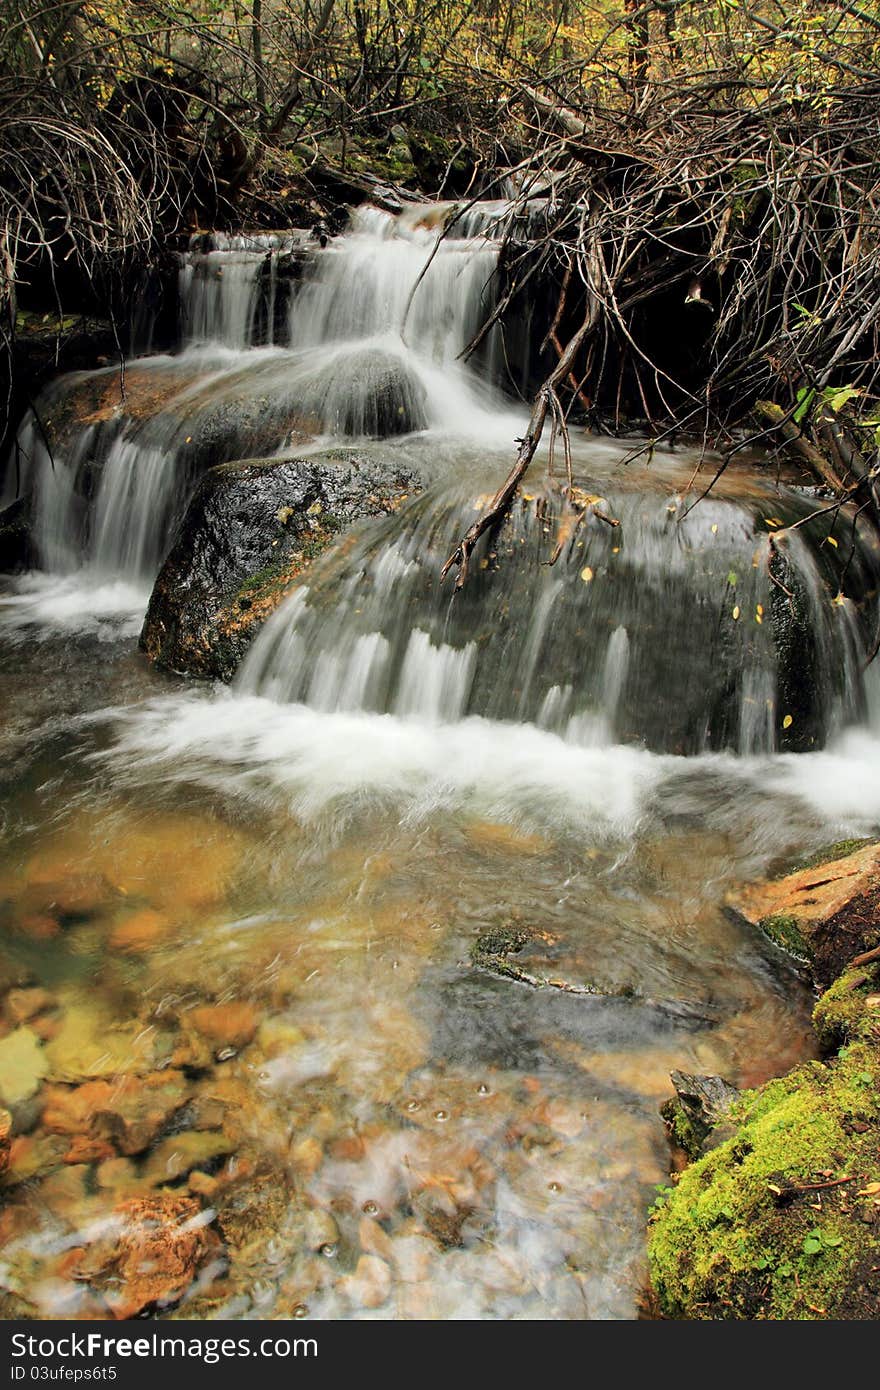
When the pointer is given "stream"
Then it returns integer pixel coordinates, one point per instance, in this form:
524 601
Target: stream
274 908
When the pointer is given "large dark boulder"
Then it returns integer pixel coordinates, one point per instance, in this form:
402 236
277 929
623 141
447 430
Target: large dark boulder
249 533
16 546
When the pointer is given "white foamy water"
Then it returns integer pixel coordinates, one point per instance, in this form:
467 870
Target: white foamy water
317 763
82 603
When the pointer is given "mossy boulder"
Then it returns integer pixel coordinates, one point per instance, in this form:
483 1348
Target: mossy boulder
250 532
782 1220
825 913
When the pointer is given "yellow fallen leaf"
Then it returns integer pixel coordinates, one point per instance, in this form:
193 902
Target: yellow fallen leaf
758 618
831 541
839 599
870 1191
787 722
759 609
736 613
586 574
714 528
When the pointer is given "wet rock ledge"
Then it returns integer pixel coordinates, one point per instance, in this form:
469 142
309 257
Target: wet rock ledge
779 1216
250 532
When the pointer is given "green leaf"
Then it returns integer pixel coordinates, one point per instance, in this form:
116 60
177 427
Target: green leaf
732 578
805 397
837 396
833 1241
812 1246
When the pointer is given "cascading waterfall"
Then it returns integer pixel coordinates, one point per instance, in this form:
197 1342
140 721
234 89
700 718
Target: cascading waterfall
366 347
368 343
662 630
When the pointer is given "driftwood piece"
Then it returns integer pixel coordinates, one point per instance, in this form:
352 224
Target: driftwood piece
795 439
544 401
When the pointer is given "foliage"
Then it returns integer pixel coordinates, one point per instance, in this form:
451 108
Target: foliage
729 143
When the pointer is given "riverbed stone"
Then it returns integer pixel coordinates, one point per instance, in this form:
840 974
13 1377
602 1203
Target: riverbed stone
251 531
225 1025
824 914
23 1064
140 932
91 1043
128 1113
156 1247
176 1157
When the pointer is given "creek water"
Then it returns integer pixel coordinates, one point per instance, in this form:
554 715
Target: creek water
279 895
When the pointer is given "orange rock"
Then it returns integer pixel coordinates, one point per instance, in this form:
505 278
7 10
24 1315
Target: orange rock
826 914
33 1155
307 1154
374 1240
68 1263
159 1245
38 925
139 933
84 1149
118 1176
126 1115
24 1004
499 835
47 1026
225 1025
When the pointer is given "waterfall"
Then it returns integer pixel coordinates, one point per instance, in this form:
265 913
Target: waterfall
670 637
667 629
283 342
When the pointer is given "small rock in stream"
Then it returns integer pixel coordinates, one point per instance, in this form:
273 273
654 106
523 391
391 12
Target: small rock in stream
155 1250
23 1065
696 1116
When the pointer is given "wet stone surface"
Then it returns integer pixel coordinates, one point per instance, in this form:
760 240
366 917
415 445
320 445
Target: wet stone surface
250 532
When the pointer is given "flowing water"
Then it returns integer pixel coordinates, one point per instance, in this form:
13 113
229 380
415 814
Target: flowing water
274 911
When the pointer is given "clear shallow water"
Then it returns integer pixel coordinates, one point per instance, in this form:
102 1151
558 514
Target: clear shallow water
497 1145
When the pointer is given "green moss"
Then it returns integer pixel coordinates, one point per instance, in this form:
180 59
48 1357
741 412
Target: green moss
301 551
841 849
784 931
840 1016
738 1238
684 1133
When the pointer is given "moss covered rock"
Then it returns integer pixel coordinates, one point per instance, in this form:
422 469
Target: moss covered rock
782 1220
